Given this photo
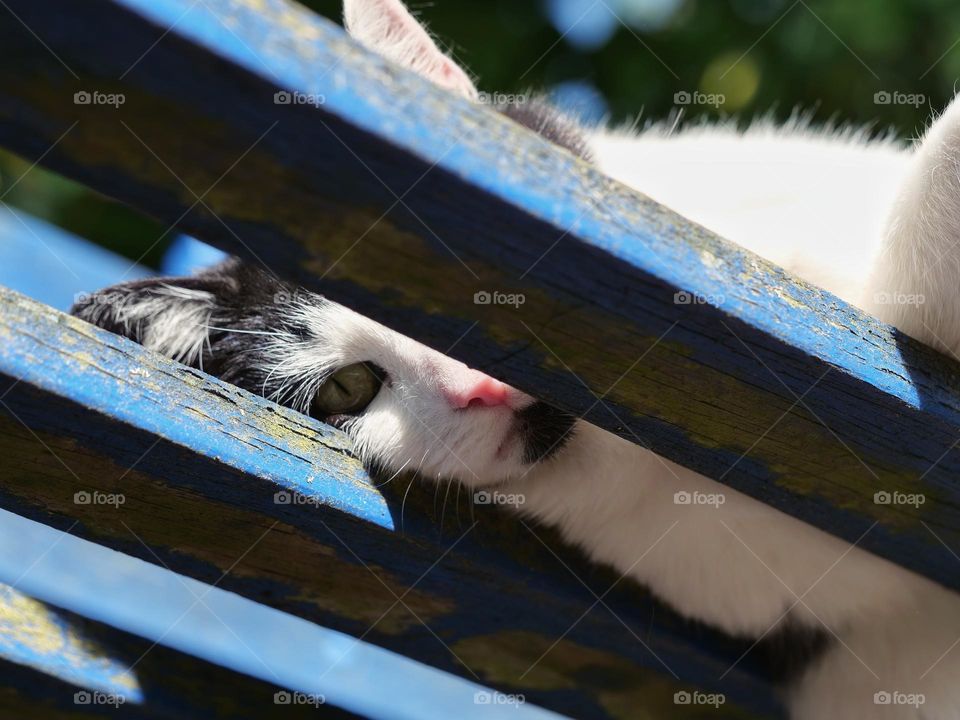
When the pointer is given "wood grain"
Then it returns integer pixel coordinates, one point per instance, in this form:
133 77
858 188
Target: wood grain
58 664
226 487
391 196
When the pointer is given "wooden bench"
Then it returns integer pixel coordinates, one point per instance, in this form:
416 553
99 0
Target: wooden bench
389 195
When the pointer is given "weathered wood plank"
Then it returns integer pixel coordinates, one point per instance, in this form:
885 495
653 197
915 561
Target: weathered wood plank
57 664
85 411
323 667
485 206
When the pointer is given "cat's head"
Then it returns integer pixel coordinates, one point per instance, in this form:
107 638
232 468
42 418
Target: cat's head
405 405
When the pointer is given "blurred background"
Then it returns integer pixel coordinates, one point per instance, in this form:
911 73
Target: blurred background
887 64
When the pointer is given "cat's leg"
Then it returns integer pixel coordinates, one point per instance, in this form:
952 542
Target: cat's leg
914 282
711 553
901 665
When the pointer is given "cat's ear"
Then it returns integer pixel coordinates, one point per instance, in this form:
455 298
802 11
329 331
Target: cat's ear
387 27
171 316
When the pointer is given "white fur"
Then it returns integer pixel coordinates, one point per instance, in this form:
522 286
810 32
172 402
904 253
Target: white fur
170 320
921 253
737 565
878 224
859 217
409 423
793 194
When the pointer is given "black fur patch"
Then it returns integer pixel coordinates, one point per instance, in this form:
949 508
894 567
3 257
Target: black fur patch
785 653
246 299
544 119
255 301
543 430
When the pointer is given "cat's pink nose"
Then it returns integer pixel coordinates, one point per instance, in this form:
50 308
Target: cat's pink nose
477 390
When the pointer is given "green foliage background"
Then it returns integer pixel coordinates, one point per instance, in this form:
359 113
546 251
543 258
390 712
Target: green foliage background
828 57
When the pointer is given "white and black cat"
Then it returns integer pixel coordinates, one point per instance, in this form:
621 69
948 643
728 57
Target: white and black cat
857 217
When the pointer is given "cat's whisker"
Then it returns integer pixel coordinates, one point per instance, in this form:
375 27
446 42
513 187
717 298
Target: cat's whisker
403 504
293 391
276 393
248 332
424 457
394 476
459 523
443 509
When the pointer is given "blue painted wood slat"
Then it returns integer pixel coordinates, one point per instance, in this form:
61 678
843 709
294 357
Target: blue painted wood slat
200 464
404 202
57 664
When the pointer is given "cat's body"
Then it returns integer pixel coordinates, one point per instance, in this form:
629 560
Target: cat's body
877 223
857 217
788 193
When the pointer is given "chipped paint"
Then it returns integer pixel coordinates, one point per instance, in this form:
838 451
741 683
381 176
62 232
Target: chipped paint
33 634
599 299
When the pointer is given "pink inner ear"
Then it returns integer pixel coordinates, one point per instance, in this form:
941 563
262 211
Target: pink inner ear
453 77
387 27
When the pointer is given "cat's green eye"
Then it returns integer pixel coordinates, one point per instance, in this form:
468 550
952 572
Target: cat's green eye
348 391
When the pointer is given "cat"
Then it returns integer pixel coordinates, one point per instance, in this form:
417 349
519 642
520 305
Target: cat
863 218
